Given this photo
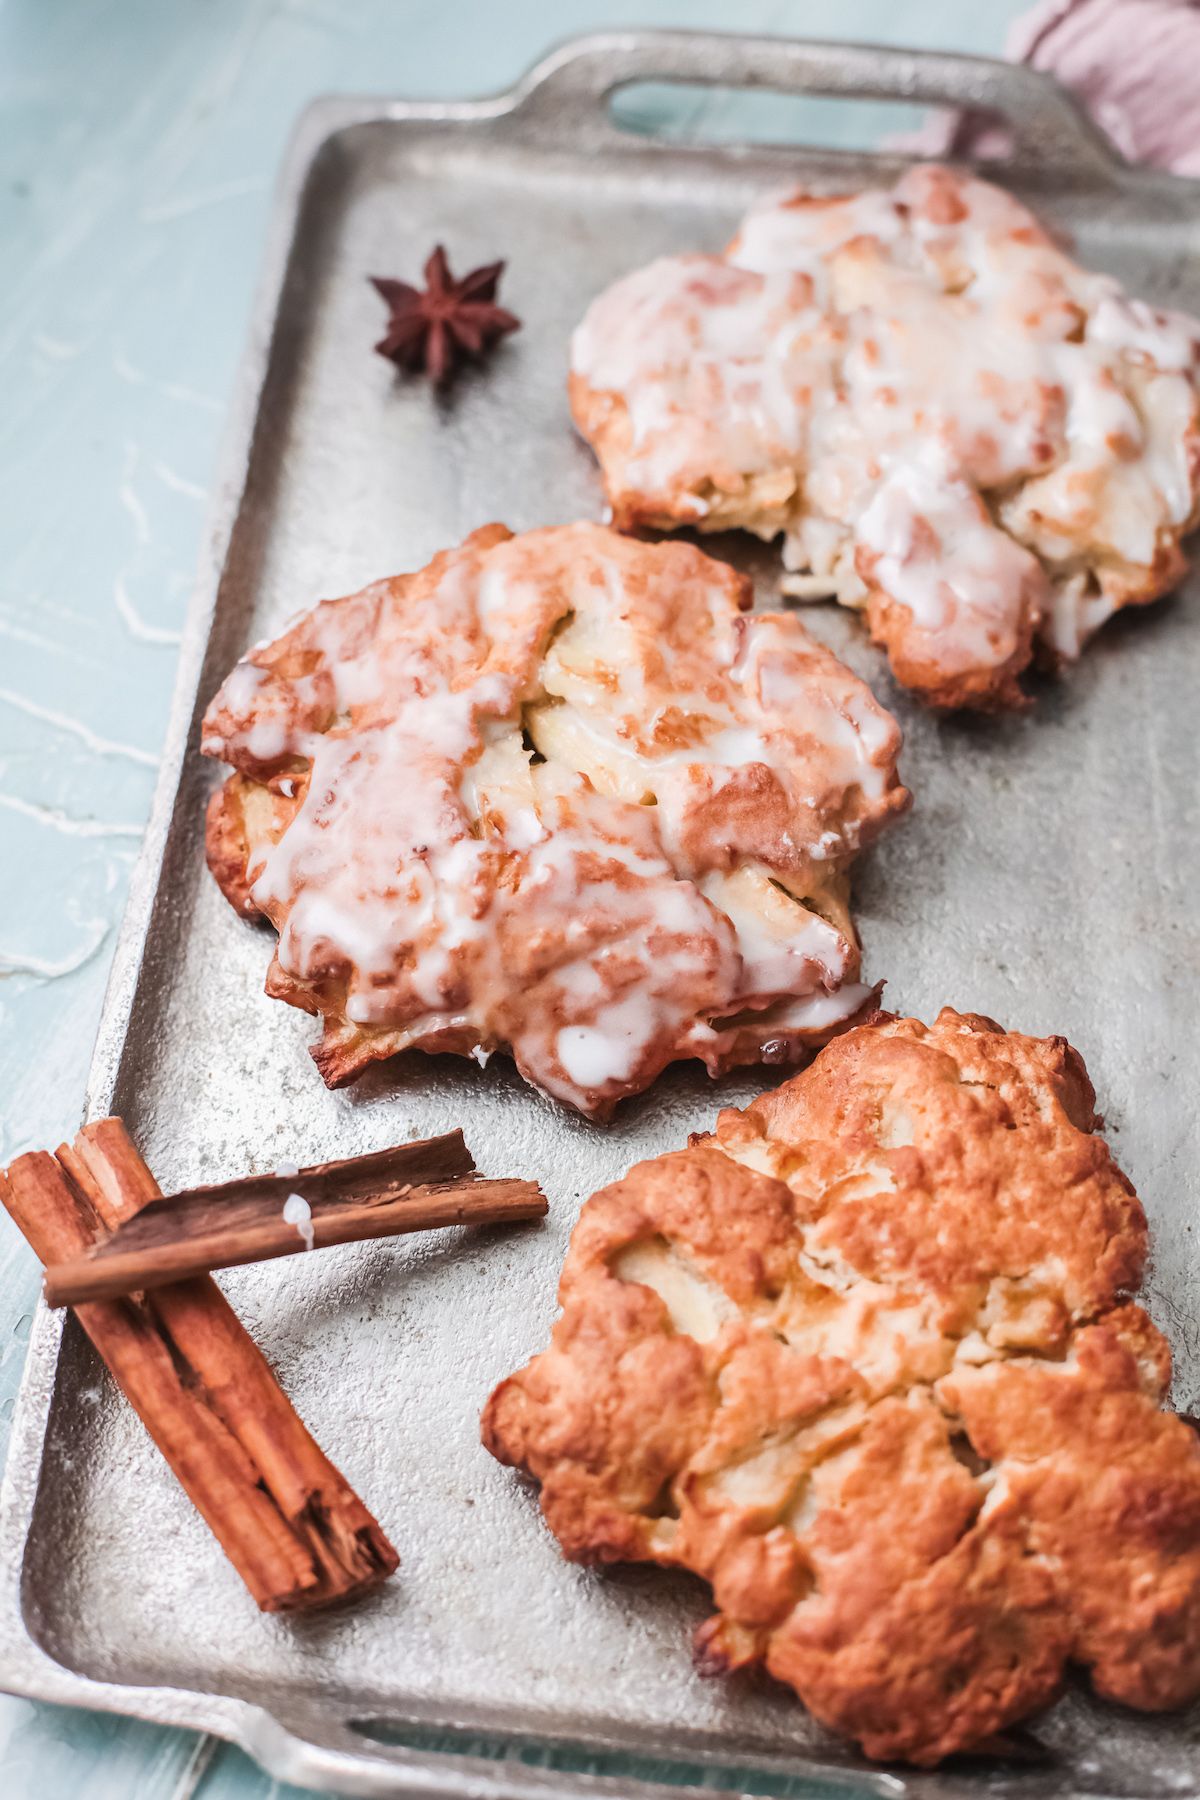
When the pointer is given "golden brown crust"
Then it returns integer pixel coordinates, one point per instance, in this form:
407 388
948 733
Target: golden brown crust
227 848
917 663
243 816
863 1360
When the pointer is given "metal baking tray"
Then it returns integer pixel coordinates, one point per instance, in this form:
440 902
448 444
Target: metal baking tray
1047 877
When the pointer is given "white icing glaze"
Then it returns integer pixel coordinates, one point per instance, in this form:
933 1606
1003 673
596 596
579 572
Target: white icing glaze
297 1212
733 354
597 910
858 372
821 1012
931 545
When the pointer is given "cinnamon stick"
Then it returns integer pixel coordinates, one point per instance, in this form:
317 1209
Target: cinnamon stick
297 1534
200 1229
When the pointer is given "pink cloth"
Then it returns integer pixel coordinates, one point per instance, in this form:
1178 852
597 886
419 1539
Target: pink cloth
1135 65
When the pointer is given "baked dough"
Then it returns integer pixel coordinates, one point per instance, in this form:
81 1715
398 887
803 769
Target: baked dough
863 1359
956 427
558 794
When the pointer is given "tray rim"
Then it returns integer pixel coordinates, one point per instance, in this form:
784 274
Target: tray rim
588 69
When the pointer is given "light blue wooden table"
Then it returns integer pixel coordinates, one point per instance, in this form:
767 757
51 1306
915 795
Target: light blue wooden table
138 144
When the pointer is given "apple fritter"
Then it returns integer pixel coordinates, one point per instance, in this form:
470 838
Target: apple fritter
864 1359
954 426
558 794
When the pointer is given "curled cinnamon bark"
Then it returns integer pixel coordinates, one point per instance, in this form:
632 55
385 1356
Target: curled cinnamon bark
289 1522
412 1187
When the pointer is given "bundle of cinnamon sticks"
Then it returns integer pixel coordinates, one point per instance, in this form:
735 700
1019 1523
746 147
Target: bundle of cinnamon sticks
128 1260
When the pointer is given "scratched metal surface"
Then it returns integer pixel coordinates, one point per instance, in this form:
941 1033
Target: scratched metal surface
139 149
1045 878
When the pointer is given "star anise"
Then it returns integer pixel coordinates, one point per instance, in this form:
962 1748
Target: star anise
436 327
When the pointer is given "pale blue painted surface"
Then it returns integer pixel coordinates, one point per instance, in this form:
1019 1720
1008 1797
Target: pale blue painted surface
138 144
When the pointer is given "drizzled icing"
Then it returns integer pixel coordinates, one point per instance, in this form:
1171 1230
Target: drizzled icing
297 1212
931 400
556 793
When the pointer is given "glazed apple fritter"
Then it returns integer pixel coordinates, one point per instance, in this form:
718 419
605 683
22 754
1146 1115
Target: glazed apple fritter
558 794
864 1360
953 424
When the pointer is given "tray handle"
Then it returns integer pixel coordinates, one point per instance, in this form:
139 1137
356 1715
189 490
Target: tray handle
566 95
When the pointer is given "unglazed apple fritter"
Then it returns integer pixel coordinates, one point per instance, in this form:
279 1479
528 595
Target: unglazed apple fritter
864 1360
